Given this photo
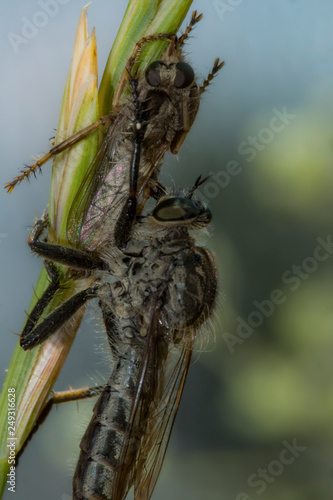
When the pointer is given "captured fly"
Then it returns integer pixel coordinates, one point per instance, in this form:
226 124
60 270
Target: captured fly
169 97
154 294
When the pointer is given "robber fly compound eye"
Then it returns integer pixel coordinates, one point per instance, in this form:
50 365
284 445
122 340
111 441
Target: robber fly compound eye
153 73
184 75
176 209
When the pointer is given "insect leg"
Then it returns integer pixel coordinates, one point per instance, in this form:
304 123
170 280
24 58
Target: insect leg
67 143
217 66
138 47
34 335
59 398
44 300
68 256
194 20
128 213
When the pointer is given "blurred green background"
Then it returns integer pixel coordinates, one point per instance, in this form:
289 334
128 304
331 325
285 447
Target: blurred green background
262 382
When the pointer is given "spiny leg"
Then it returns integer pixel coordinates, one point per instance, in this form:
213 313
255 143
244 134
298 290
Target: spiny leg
67 143
144 41
60 397
217 66
70 395
138 47
194 20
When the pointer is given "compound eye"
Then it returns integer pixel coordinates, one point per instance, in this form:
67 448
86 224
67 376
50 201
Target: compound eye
153 73
184 75
175 208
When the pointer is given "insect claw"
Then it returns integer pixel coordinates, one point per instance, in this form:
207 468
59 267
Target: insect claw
217 64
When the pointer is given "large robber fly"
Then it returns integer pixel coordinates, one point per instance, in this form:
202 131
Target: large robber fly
154 286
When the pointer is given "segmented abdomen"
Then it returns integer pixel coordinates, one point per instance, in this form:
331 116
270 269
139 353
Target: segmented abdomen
107 433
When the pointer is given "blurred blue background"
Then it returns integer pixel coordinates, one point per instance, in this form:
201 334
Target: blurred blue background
256 420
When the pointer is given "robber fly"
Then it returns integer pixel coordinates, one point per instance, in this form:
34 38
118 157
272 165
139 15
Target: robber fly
155 292
153 285
154 295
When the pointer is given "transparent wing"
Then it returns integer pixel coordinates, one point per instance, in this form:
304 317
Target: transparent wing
163 411
159 389
102 188
105 188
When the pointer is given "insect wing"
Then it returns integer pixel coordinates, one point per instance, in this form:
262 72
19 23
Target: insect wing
105 188
159 389
156 439
102 190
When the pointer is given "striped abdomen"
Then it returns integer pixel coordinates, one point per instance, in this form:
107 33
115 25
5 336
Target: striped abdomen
107 433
